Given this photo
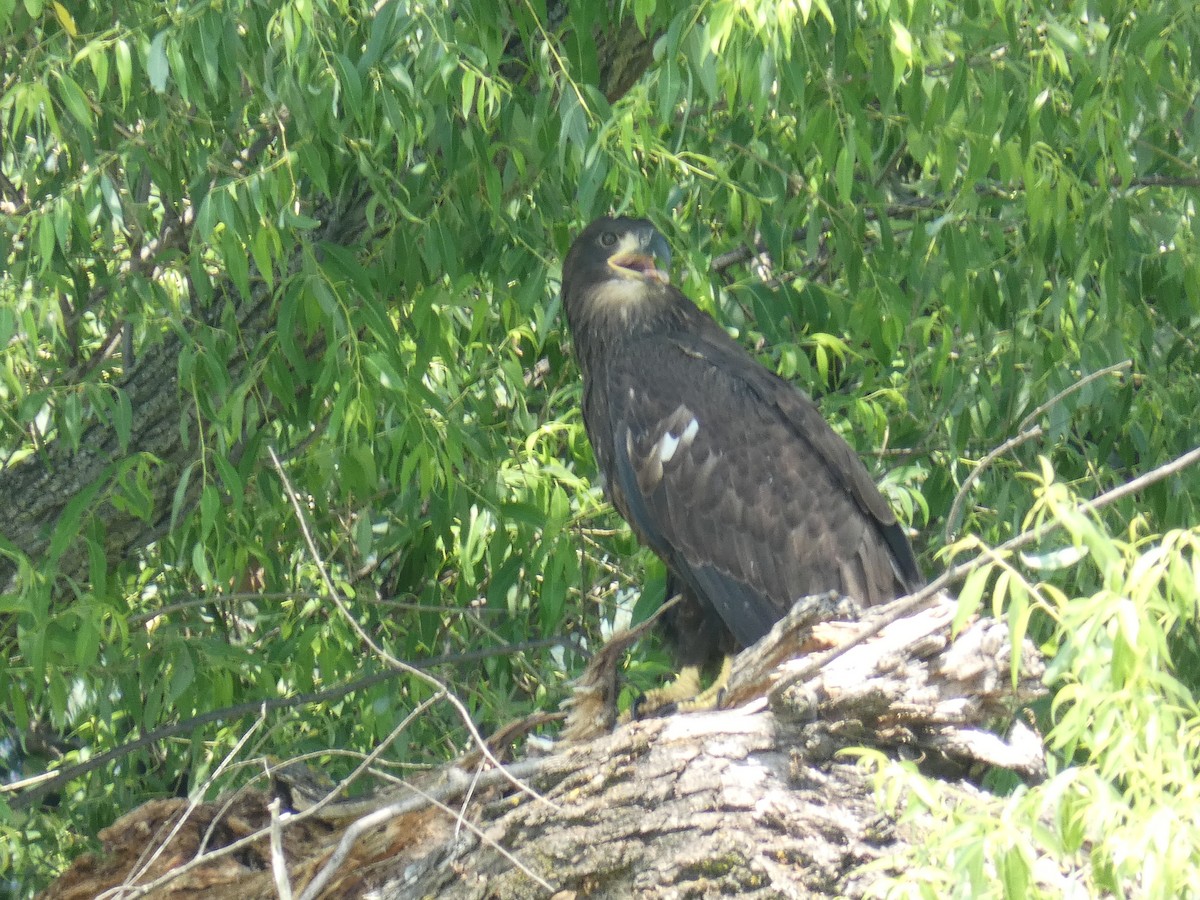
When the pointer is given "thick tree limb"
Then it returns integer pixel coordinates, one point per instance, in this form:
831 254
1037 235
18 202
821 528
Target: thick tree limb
754 800
38 488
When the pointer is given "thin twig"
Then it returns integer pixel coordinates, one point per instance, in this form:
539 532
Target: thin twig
955 572
490 841
367 761
460 815
279 870
237 596
37 786
375 648
413 804
121 890
204 858
1024 433
955 514
907 209
391 660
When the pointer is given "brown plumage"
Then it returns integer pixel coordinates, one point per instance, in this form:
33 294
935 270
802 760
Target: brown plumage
728 472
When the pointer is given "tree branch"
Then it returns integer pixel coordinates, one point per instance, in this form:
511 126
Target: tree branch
754 800
1024 433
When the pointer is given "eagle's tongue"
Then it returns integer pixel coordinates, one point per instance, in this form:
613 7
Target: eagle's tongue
644 263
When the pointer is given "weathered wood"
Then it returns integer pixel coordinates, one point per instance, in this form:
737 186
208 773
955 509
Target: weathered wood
752 800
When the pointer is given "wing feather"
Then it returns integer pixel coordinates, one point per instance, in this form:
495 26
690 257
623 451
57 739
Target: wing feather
734 478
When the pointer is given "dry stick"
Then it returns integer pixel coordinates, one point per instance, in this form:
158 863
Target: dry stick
814 664
291 819
460 817
1024 433
421 801
279 870
490 841
313 888
379 652
37 786
952 519
391 660
121 890
234 596
370 758
229 849
907 208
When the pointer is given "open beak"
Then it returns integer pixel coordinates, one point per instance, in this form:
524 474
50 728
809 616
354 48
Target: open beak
650 259
643 264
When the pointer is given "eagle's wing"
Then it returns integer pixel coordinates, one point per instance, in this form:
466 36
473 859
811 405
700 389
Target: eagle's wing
735 479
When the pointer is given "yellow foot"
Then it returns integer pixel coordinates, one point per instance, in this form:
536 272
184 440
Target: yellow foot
684 694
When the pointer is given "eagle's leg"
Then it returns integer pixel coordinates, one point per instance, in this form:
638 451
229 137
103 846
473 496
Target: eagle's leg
684 694
712 696
684 687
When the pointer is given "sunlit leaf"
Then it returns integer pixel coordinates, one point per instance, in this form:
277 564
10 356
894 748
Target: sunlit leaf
157 67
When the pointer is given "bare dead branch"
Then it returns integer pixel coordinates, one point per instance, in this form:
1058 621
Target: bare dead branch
954 573
1026 431
35 787
380 652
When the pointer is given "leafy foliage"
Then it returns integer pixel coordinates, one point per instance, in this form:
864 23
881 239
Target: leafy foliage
332 230
1117 809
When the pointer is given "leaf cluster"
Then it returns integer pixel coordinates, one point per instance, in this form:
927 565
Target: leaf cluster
333 229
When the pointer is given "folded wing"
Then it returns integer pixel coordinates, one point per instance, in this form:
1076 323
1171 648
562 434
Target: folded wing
733 477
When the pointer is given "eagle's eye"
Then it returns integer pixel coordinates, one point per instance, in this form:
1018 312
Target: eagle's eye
608 239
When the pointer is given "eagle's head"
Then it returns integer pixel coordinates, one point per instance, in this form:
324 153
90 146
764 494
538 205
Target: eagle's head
616 270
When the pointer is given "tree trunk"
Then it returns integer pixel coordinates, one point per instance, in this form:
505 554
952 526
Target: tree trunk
38 488
164 427
753 800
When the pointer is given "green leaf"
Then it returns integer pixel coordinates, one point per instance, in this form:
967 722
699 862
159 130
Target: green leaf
469 84
98 60
74 99
113 202
902 41
67 528
670 82
574 128
210 507
181 492
87 639
237 264
124 62
260 249
157 67
845 172
122 417
351 85
970 597
65 19
183 674
200 564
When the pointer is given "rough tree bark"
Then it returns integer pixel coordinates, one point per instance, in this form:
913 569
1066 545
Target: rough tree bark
164 427
753 800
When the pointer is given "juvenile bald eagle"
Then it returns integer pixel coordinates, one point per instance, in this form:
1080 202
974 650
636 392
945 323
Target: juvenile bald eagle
725 470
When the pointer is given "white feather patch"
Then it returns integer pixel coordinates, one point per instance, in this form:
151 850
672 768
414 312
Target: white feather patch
667 445
670 443
689 433
620 293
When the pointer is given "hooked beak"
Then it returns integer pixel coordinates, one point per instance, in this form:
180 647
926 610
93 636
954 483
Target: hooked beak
641 259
